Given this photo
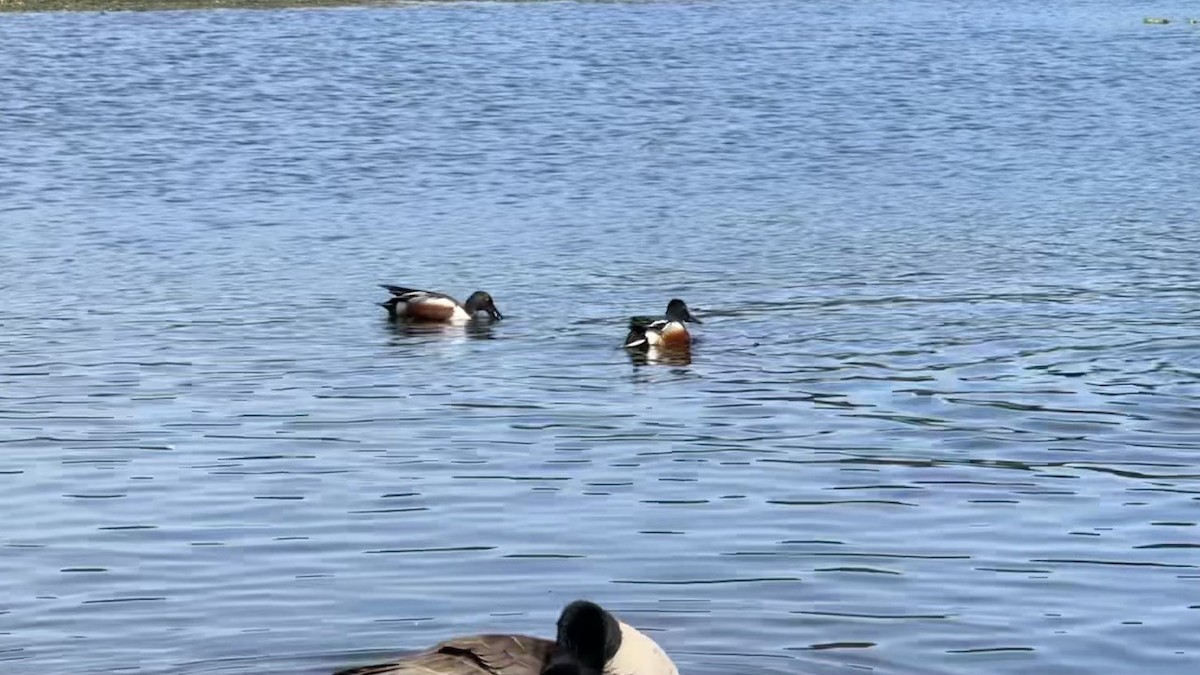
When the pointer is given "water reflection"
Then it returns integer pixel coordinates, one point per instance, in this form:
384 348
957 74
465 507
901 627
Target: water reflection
655 356
477 329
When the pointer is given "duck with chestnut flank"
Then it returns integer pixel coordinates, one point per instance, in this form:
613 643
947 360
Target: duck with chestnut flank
668 332
430 306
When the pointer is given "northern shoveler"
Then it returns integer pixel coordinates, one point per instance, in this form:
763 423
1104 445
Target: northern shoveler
667 332
417 305
590 641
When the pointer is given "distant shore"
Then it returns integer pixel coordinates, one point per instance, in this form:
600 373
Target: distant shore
157 5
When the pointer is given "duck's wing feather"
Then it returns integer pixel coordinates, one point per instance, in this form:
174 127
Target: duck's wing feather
643 320
409 294
473 655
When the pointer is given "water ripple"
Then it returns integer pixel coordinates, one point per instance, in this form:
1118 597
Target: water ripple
940 417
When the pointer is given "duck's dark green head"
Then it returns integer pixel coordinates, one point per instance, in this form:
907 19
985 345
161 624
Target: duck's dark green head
480 301
677 310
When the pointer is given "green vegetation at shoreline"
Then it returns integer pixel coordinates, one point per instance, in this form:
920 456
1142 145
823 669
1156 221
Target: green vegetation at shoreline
158 5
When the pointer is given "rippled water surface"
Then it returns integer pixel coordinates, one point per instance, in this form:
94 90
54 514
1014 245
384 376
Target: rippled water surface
943 415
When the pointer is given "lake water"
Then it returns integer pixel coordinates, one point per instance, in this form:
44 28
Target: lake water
943 416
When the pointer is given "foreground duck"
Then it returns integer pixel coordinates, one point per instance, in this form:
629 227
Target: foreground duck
418 305
590 641
668 332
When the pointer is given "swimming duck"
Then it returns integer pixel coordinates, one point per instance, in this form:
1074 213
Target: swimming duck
590 641
667 332
417 305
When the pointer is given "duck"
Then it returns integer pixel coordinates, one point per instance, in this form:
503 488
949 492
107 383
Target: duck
667 332
589 641
418 305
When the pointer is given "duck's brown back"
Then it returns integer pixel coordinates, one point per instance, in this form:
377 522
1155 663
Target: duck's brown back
472 655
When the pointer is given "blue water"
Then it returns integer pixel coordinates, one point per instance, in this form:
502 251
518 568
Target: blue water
943 415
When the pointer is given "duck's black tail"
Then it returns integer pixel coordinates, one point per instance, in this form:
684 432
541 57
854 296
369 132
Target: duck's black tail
636 339
390 305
